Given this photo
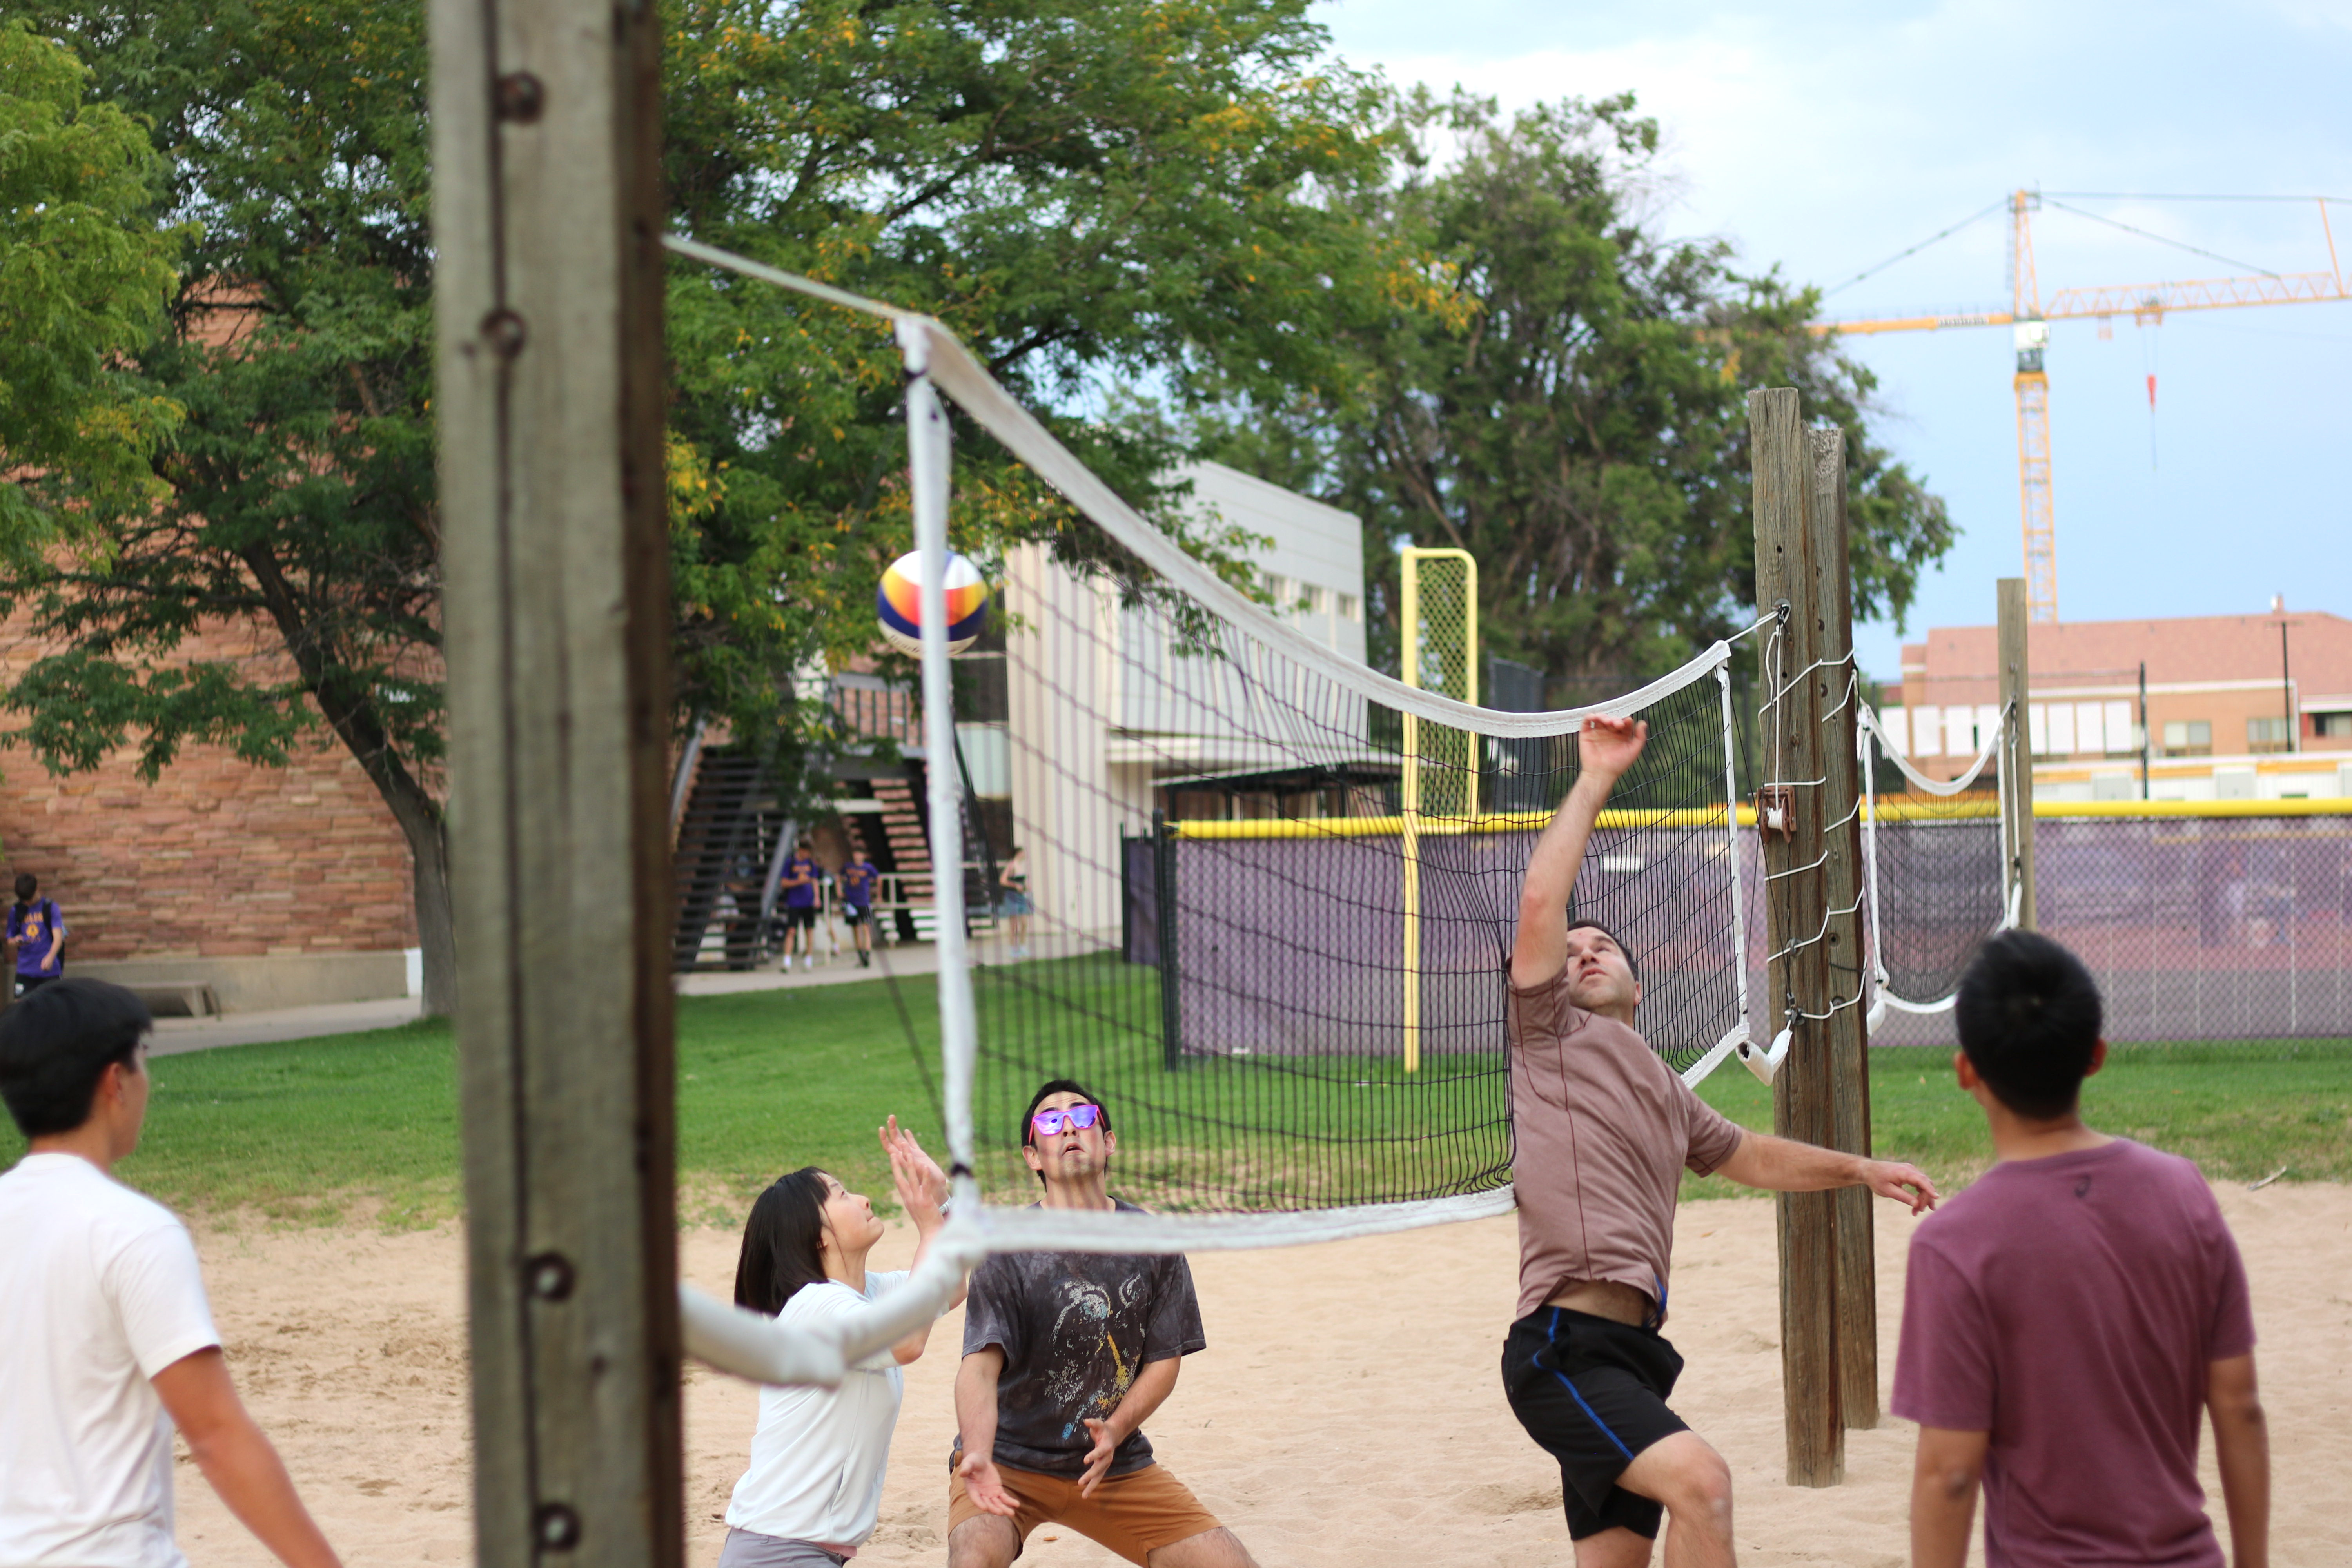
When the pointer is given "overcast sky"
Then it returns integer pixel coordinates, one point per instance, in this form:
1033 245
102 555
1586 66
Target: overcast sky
1829 136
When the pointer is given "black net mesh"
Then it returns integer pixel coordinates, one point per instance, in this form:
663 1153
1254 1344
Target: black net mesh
1269 919
1939 886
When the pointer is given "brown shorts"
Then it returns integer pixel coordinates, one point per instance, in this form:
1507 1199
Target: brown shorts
1134 1514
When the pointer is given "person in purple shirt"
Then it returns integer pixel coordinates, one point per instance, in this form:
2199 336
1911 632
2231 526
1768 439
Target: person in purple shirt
37 934
2069 1317
800 877
857 880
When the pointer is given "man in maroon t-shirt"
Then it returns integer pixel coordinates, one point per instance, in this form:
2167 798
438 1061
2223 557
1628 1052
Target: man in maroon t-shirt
1601 1132
2068 1317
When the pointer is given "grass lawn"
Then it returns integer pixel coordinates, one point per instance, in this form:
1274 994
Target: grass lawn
365 1125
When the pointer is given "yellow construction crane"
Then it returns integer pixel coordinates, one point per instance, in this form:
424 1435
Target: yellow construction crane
2029 316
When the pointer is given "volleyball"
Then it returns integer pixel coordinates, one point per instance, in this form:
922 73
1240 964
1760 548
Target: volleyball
900 606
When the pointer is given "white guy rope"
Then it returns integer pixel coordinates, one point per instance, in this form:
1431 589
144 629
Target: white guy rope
1869 716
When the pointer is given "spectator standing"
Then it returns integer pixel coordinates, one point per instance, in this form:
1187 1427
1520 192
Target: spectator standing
106 1340
799 882
856 881
37 935
1012 900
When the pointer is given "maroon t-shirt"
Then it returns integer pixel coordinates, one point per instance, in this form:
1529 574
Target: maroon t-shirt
2069 1307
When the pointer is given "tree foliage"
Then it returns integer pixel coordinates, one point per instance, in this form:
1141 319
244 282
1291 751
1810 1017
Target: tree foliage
1078 187
84 275
1082 190
1585 434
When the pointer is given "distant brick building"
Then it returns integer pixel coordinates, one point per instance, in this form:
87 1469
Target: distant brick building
2245 707
278 887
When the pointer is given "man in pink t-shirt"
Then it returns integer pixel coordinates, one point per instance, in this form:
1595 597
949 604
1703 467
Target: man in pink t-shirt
2069 1316
1601 1132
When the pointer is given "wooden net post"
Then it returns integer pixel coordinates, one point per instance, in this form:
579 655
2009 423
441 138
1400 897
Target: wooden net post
1845 1031
2017 749
547 217
1797 690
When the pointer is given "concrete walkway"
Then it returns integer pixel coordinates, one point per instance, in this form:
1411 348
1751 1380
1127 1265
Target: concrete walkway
174 1036
904 960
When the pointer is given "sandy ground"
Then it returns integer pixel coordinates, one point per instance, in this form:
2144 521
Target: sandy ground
1347 1410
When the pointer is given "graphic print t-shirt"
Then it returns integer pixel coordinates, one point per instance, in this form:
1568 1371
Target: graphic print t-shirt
1075 1329
802 896
35 928
858 884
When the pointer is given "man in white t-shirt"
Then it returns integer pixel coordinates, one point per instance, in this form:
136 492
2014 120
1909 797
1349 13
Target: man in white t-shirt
106 1340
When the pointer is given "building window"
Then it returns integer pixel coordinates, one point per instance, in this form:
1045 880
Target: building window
2188 738
1319 600
1280 589
1351 608
2266 734
2332 726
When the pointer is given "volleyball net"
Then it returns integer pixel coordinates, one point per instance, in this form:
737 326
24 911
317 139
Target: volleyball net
1274 891
1939 864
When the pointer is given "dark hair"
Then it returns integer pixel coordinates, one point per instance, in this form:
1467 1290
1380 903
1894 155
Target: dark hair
1057 1086
1595 925
27 886
783 1242
2029 1017
56 1044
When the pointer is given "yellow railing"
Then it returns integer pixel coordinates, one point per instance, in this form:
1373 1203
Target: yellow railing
1894 809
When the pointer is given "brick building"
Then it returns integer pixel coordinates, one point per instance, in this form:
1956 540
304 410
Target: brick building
2237 706
276 886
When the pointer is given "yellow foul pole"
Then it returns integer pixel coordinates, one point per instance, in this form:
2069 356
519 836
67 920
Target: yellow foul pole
1456 674
1409 665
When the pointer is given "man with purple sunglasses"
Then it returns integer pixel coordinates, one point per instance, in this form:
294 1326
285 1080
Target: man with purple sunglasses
1065 1356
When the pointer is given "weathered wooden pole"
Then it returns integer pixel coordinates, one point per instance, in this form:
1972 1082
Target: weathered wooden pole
1847 1031
1797 979
546 220
2017 753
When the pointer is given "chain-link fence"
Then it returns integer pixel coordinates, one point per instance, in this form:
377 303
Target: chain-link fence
2197 928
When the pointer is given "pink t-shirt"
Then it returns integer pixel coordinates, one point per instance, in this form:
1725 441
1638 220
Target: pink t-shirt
2069 1307
1601 1132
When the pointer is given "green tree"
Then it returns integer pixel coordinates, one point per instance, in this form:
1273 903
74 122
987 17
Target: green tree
84 276
297 494
1079 187
1585 434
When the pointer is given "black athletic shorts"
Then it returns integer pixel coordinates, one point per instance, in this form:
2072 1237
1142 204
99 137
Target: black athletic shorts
855 914
802 916
1593 1394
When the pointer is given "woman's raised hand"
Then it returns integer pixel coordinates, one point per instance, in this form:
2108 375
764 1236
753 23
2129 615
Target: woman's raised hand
922 1185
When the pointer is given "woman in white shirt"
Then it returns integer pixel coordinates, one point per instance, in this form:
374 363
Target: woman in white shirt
814 1488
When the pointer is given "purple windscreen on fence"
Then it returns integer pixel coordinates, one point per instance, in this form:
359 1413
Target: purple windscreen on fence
1297 945
2195 927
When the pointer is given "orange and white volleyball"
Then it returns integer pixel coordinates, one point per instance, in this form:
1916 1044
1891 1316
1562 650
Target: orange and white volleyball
900 606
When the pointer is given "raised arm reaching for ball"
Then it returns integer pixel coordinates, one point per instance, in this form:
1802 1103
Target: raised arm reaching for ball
1606 748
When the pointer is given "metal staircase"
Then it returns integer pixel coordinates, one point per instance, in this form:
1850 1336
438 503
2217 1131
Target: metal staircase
726 839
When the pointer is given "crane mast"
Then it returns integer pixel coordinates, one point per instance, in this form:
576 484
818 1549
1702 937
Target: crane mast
2038 509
